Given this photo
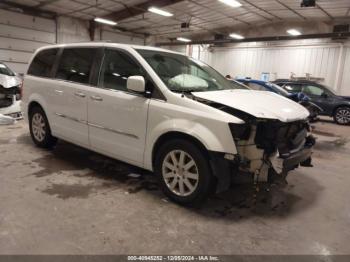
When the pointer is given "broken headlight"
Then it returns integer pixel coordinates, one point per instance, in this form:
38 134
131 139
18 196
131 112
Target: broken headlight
240 131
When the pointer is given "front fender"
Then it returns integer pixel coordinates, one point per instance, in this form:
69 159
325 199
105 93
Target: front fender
214 136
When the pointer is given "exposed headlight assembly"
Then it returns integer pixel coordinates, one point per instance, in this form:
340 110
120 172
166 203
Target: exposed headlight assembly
240 131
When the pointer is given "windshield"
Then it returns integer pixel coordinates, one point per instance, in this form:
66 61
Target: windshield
4 70
184 74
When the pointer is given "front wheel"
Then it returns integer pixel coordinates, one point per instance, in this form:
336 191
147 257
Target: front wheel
183 171
342 115
40 129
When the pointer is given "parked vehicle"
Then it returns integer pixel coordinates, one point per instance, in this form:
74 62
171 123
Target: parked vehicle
300 98
164 112
10 92
332 105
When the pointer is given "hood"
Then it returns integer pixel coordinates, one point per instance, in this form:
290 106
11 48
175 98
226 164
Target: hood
261 104
346 97
9 81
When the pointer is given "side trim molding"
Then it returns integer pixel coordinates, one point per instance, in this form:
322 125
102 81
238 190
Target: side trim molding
114 130
71 118
97 126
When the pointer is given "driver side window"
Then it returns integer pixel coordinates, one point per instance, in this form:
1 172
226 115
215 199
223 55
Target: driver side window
312 90
116 68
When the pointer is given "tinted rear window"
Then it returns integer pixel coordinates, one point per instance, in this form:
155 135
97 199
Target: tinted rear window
43 62
75 64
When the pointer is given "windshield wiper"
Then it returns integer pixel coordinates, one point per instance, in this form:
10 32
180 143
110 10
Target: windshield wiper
187 90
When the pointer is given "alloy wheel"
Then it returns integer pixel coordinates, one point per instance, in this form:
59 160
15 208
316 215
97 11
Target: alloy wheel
180 173
343 116
38 127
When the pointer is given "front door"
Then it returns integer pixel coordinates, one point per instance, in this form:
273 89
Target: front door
117 118
320 97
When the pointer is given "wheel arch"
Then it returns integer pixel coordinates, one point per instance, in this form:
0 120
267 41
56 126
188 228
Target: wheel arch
339 106
220 168
32 105
176 135
48 140
35 99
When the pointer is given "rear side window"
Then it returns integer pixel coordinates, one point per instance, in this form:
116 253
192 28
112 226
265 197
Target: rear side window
43 62
312 90
75 64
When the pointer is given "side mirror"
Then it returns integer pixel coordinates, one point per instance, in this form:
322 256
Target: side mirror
136 84
324 95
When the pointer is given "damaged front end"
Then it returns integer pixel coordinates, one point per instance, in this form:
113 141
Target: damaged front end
274 148
10 101
267 149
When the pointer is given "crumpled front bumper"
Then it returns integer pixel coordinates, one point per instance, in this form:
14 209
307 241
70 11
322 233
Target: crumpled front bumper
10 100
13 110
301 157
295 159
285 163
224 169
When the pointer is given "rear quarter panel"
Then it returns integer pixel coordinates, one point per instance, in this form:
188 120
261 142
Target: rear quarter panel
37 89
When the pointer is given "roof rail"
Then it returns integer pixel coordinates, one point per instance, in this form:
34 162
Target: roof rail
95 41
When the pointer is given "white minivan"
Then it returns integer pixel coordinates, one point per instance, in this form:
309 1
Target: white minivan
164 112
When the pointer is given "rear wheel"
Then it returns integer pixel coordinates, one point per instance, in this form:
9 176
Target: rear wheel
342 115
40 129
183 171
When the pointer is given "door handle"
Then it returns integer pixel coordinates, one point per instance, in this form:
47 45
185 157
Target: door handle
58 91
96 98
80 94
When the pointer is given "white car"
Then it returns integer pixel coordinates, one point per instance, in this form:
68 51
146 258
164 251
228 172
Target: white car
164 112
10 89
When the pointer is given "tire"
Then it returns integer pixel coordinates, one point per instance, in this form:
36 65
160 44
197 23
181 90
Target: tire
40 129
188 183
342 115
